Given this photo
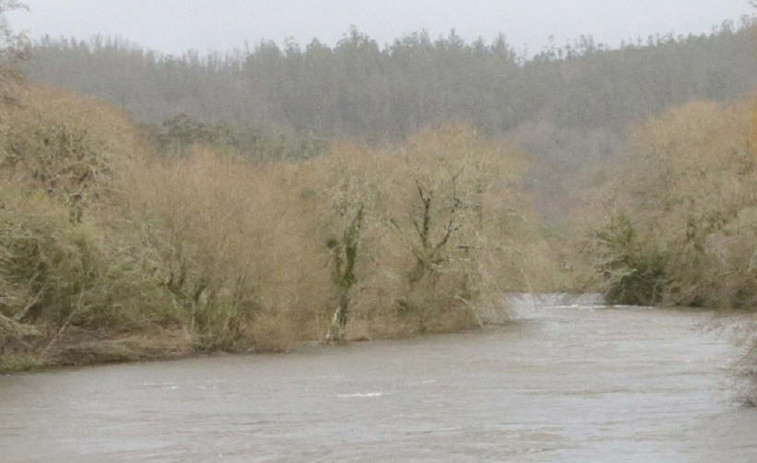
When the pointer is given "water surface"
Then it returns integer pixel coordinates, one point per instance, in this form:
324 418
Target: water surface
570 381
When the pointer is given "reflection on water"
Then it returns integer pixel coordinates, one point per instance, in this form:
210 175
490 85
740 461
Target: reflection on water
570 381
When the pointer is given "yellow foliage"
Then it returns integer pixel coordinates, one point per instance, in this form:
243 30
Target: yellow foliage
688 184
445 221
229 236
69 146
236 254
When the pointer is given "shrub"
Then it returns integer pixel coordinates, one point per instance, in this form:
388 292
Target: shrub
633 274
70 147
687 186
231 243
56 274
46 261
444 219
107 248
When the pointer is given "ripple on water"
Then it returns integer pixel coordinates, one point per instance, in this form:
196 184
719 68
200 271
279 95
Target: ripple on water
571 381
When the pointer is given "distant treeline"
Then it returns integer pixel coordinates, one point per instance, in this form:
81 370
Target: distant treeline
567 106
361 89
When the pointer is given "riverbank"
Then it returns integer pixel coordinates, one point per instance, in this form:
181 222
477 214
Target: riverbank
80 348
113 249
77 347
648 384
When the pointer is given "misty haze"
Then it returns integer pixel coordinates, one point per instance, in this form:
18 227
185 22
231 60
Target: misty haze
378 231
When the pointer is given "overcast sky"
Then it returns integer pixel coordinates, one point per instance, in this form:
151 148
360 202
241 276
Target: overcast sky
173 26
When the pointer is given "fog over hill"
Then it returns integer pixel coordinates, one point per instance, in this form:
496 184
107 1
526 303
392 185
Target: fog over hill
174 26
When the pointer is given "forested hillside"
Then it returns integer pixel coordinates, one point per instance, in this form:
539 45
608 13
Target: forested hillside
361 89
568 106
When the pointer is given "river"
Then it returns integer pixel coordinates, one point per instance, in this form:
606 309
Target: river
567 381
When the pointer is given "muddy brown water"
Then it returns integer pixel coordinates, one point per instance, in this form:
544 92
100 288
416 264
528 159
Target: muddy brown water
568 381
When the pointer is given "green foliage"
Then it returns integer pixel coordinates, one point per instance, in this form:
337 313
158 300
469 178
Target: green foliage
46 262
632 275
443 226
643 284
64 266
176 135
52 269
616 241
14 362
687 187
345 252
360 89
268 144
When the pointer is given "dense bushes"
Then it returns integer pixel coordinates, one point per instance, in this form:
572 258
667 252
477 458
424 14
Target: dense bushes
444 220
381 241
634 273
66 267
681 216
68 146
232 244
46 260
110 251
